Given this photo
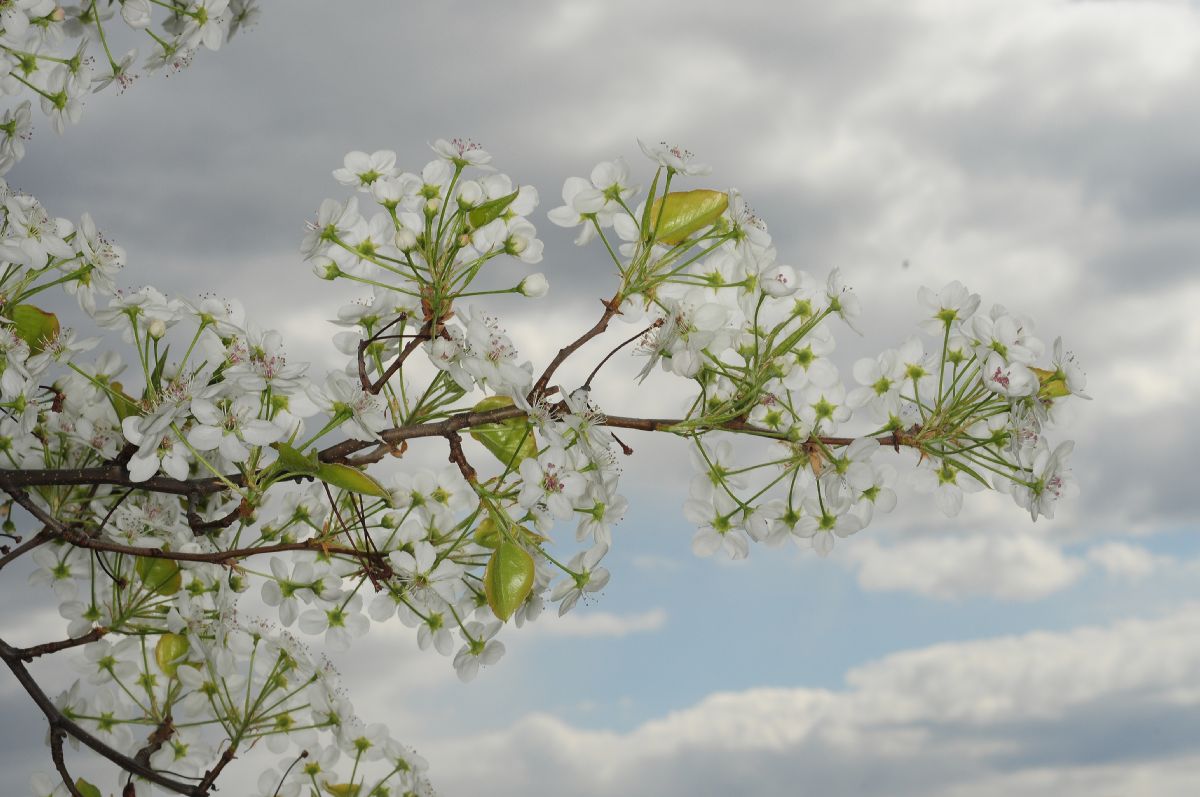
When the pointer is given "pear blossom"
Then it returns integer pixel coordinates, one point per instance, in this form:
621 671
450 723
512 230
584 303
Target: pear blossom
586 577
550 486
462 152
479 650
362 170
673 158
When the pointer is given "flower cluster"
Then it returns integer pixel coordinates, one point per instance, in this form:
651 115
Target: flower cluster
754 337
46 51
195 461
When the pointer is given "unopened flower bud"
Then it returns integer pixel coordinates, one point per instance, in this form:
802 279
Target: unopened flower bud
778 281
516 244
469 194
406 239
431 205
136 13
157 328
327 271
534 285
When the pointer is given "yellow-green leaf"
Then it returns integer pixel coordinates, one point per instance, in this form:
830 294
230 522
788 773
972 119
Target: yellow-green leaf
343 789
168 651
488 534
159 575
509 441
508 579
352 479
87 789
1053 384
685 212
482 215
34 326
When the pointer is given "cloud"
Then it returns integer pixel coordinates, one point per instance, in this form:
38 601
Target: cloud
1004 566
1043 151
599 624
656 564
1130 562
1058 712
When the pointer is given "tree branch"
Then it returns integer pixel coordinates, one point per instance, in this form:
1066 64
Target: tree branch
60 722
31 653
611 308
41 538
56 755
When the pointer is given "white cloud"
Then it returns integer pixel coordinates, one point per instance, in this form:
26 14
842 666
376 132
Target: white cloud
1121 560
598 624
970 718
656 564
1006 566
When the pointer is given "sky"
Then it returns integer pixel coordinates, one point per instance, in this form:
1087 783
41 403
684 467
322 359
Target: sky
1041 151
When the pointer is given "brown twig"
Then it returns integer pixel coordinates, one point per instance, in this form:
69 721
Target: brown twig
56 755
374 387
210 776
459 458
200 526
42 537
588 382
611 308
158 737
363 379
31 653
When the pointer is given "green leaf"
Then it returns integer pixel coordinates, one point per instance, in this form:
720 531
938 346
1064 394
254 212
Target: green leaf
508 579
685 212
156 375
650 204
159 575
122 402
352 479
34 326
482 215
168 651
509 441
294 462
87 789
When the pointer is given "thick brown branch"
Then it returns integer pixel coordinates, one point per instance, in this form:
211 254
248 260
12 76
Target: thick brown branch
109 474
229 557
11 480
